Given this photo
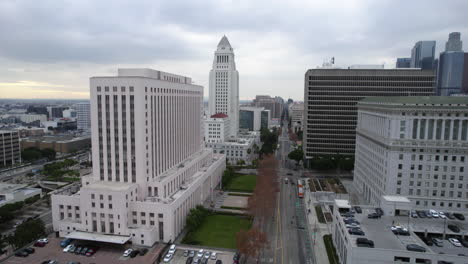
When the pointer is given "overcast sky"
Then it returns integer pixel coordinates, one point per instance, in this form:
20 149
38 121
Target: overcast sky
50 48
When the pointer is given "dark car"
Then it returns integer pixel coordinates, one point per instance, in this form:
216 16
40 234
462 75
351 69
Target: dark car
449 215
428 214
219 262
348 214
438 242
134 253
358 209
454 228
204 261
356 231
463 242
421 214
22 254
90 252
39 244
29 250
362 241
236 256
78 249
379 211
143 251
427 240
401 232
414 247
373 215
189 260
459 216
350 220
83 251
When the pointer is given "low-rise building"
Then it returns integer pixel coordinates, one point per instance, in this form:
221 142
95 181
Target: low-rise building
9 148
386 239
296 115
12 193
59 143
253 118
413 146
238 150
217 128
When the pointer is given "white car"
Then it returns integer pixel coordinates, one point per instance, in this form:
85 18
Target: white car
213 255
200 253
167 258
434 213
455 242
442 215
172 249
67 248
43 240
207 255
127 252
393 228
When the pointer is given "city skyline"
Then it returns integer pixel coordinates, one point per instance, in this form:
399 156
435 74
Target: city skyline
54 51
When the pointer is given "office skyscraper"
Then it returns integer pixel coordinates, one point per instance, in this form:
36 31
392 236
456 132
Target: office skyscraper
403 63
330 98
224 85
422 55
454 43
83 116
451 72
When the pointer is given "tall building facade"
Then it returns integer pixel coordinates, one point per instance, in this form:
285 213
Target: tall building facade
450 79
10 153
423 54
415 147
83 116
56 111
250 118
296 114
403 63
224 85
274 104
149 164
330 97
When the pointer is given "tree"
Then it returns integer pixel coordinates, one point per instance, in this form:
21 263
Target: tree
249 151
48 153
26 233
250 242
30 154
241 162
296 155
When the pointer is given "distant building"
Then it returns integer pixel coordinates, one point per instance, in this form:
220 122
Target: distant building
452 74
265 119
413 146
275 105
296 114
69 113
224 85
423 55
83 116
59 143
12 193
403 63
250 118
9 148
330 99
56 111
217 128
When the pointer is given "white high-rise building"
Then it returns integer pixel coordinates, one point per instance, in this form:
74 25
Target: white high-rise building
413 146
224 85
149 163
83 116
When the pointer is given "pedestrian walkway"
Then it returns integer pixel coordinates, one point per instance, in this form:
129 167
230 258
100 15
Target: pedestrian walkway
317 230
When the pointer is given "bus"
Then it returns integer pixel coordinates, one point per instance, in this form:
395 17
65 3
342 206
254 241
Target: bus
300 192
300 183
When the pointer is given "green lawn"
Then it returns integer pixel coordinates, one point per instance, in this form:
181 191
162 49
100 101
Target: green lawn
218 231
242 183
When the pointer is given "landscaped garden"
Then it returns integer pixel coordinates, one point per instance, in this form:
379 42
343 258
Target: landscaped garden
242 183
217 230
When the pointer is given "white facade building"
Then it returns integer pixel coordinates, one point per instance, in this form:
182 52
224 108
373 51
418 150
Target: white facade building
69 113
12 193
239 149
83 116
217 128
149 164
296 114
224 85
413 146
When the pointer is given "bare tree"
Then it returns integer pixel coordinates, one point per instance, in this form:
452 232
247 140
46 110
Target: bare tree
251 242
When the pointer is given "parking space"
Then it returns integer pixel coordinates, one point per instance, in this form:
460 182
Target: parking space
224 256
106 253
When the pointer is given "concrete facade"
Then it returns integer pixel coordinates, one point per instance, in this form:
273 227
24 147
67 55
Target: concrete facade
10 153
83 116
149 164
416 147
59 143
217 128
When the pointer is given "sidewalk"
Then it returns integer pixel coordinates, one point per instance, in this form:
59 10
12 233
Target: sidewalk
317 230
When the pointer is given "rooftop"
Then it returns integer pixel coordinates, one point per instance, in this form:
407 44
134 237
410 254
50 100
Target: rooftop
110 186
416 100
219 115
8 188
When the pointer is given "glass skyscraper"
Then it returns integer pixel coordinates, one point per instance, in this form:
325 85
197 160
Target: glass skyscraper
450 76
422 55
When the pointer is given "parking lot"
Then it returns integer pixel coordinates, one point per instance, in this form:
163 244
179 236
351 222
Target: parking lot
224 256
107 253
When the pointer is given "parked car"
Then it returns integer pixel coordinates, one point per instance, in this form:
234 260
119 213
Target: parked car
39 244
29 250
356 231
442 215
78 250
428 214
204 261
438 242
167 258
186 252
207 255
219 262
72 249
196 261
143 251
189 260
350 220
172 249
214 255
364 242
134 253
459 216
127 252
413 214
67 248
373 216
415 247
348 214
43 240
21 254
434 213
200 253
464 242
421 214
427 240
449 215
455 242
191 253
352 225
90 252
358 209
379 211
65 242
399 230
454 228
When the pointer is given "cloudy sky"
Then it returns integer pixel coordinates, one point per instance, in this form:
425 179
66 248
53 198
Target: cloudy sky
50 48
